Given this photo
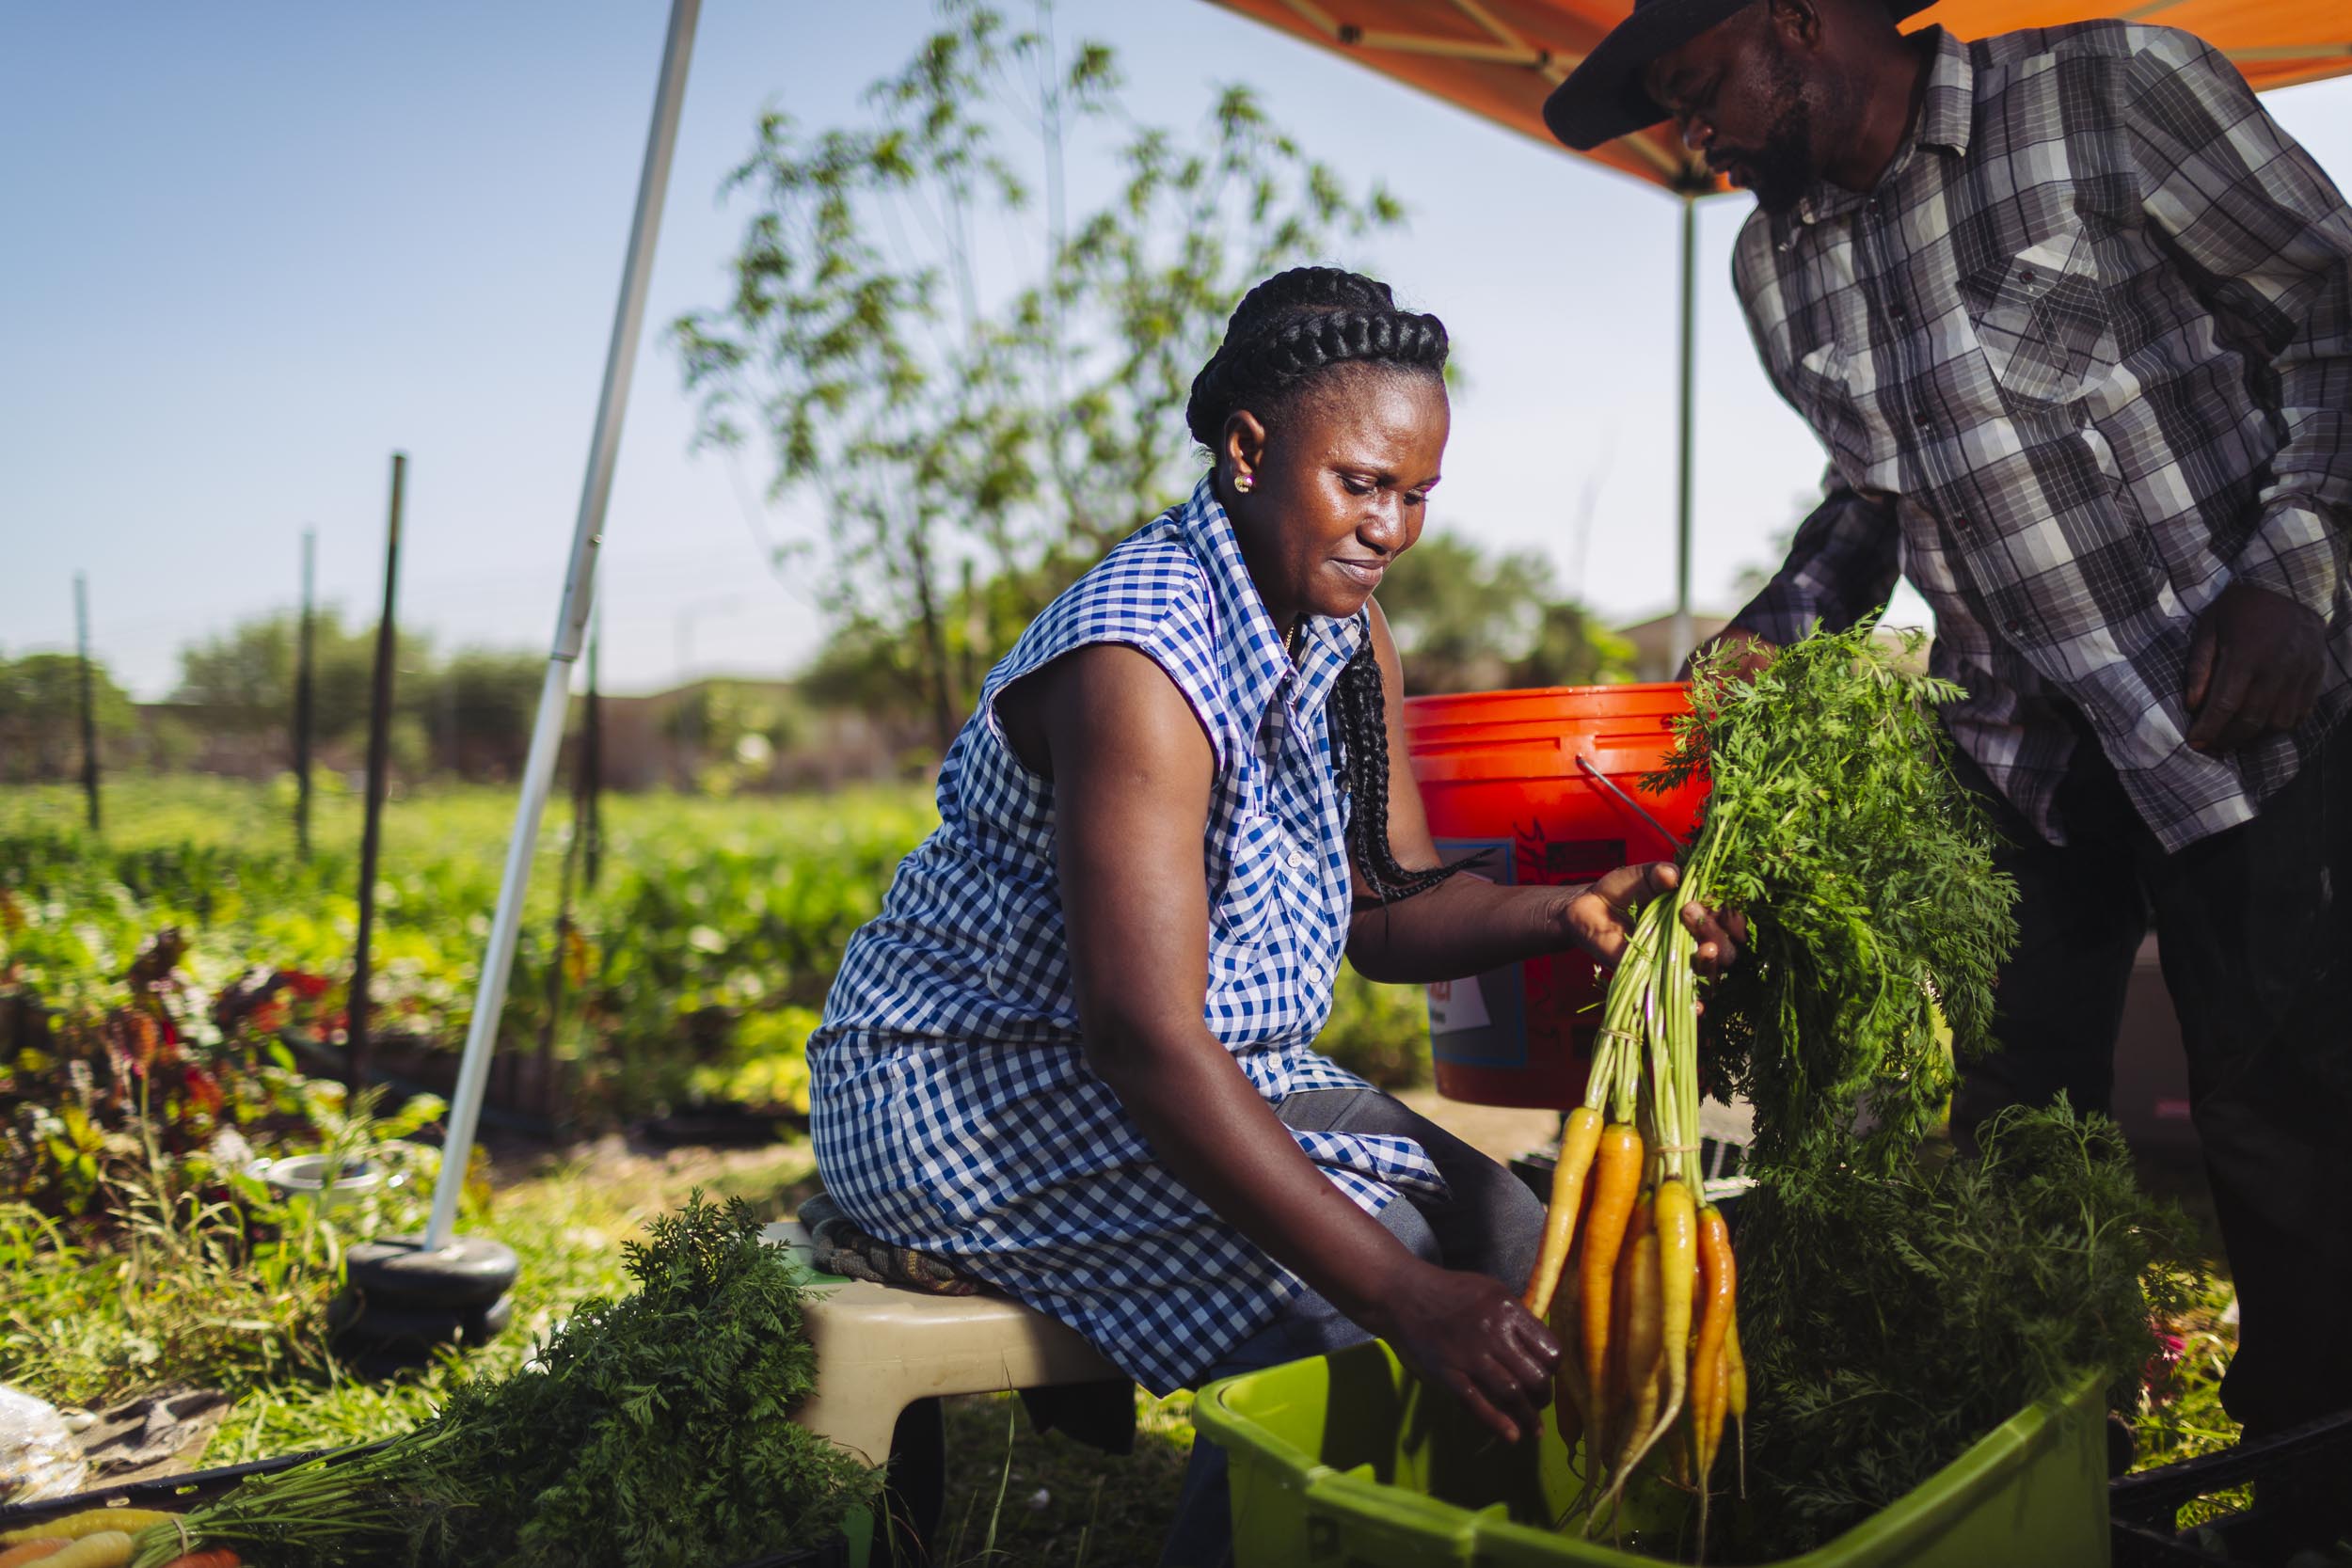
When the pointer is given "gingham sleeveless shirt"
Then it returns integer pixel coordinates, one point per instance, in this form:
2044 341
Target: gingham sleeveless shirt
952 1108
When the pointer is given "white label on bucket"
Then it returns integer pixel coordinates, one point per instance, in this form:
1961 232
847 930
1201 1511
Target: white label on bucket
1456 1005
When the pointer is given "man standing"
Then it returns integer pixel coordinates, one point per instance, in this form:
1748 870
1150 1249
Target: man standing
2074 318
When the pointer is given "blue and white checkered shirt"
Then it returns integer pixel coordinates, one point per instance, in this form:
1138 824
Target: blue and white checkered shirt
953 1110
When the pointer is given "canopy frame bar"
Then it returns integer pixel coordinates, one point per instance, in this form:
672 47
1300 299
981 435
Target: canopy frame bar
546 732
1506 47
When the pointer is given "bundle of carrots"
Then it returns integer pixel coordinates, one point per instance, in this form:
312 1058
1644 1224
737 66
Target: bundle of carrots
102 1538
1636 1274
1833 823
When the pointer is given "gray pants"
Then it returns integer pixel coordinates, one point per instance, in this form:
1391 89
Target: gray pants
1487 1222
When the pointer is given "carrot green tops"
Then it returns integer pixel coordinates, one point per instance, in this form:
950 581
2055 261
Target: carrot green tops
952 1107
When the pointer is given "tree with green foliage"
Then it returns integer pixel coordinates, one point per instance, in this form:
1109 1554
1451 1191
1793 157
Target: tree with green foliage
979 390
245 676
40 715
469 714
478 704
1466 620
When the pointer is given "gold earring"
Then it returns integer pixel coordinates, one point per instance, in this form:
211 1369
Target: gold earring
1242 483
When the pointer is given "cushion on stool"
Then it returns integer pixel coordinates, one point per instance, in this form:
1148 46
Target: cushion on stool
838 1245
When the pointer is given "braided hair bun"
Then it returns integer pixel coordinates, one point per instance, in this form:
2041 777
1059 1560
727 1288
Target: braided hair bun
1284 334
1297 325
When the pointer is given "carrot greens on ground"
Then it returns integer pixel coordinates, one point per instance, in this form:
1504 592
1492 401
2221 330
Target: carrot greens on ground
653 1429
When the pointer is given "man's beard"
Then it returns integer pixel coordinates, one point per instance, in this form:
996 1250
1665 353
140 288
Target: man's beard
1782 169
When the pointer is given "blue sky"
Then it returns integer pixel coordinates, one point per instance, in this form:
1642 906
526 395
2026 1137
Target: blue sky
253 250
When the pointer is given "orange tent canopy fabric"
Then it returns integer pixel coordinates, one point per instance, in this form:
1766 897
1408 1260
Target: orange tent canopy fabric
1500 57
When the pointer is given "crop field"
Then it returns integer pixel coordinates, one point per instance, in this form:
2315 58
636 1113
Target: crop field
698 955
191 938
694 969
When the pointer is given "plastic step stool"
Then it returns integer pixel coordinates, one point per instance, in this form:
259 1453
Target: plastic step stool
880 1349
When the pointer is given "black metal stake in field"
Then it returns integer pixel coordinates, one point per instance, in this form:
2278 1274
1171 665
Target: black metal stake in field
89 719
379 745
578 854
591 762
302 713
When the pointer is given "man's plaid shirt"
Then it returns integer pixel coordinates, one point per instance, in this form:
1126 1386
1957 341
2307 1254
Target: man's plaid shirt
2081 360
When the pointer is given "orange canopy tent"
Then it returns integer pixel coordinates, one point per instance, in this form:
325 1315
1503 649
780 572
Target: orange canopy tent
1500 58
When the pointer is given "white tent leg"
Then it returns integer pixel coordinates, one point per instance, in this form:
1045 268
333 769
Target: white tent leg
1682 640
547 733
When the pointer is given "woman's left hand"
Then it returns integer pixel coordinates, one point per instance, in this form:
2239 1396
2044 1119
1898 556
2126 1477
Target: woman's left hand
1601 919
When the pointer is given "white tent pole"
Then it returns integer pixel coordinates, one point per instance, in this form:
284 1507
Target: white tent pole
547 733
1682 640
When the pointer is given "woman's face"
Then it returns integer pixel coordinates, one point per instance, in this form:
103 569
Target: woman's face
1338 486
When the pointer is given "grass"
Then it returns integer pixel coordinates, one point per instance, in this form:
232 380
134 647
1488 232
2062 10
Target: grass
1061 1501
81 1327
431 822
703 899
1012 1494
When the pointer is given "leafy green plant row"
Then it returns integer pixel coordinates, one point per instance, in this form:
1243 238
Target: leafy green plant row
692 973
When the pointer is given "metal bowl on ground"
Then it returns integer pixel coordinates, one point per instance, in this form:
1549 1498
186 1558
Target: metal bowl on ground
321 1178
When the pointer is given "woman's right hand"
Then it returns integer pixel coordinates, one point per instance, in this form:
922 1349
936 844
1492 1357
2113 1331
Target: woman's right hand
1469 1335
1600 918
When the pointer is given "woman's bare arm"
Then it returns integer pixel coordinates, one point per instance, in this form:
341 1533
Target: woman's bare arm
1132 772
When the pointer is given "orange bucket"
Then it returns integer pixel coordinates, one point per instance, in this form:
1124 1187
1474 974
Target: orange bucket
1547 785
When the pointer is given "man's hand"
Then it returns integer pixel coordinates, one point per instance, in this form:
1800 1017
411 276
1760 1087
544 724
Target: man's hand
1752 652
2254 665
1601 919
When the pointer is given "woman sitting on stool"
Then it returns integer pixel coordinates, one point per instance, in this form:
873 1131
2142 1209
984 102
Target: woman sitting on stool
1075 1050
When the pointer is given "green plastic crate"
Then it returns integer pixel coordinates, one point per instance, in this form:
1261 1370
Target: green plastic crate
1345 1461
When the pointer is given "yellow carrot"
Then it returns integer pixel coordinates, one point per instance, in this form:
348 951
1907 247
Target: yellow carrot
1644 1378
1644 1358
1568 1408
1676 1219
1617 1180
1712 1421
1622 1390
1718 1276
1570 1399
1579 1140
1644 1345
89 1521
1736 1392
106 1548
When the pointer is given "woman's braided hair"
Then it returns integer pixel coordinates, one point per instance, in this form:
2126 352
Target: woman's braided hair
1284 335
